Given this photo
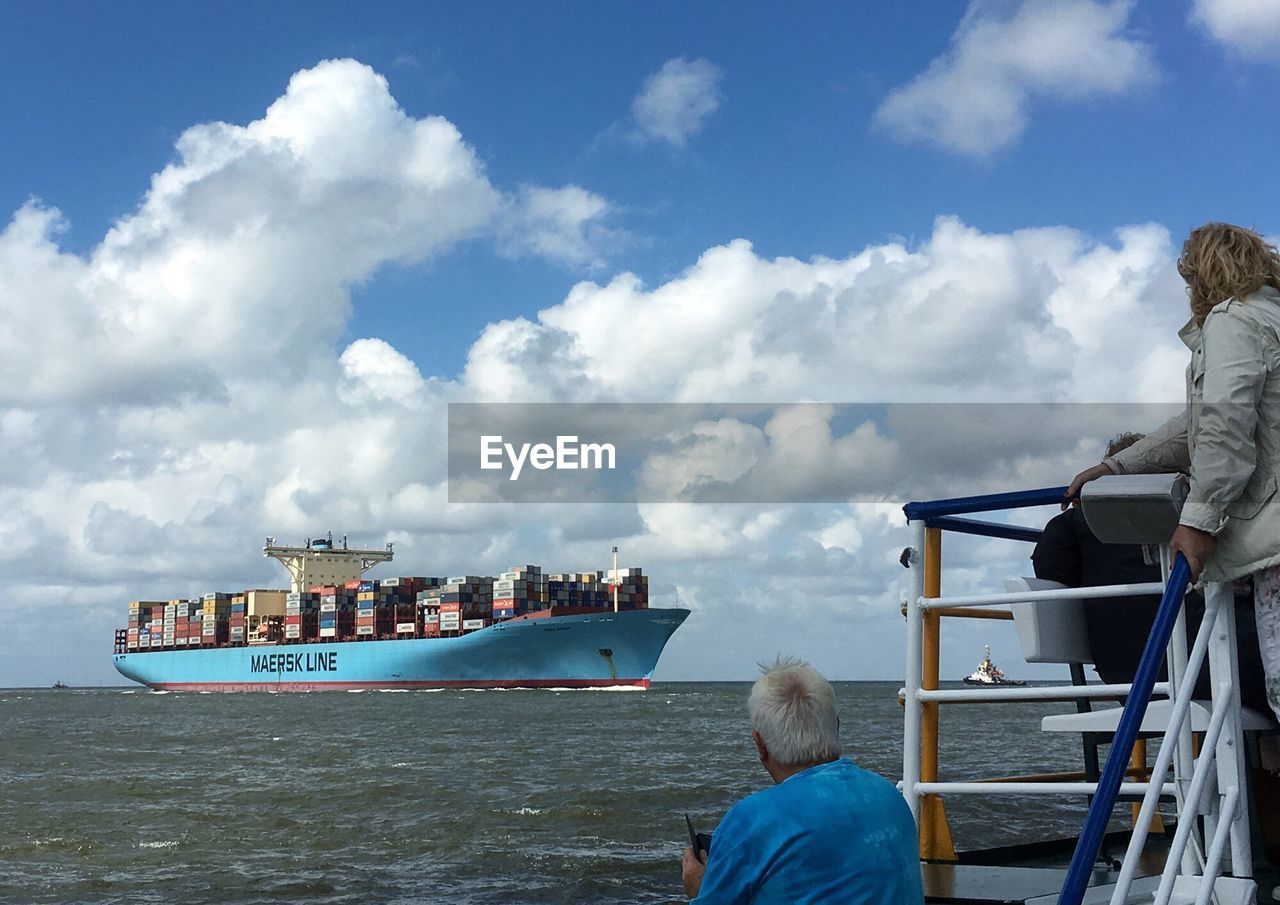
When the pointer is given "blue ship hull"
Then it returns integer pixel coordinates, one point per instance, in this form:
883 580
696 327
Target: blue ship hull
587 651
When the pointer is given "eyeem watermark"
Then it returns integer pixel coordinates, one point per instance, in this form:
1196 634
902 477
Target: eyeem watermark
567 454
718 453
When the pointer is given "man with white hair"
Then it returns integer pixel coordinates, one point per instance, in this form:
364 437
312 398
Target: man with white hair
826 832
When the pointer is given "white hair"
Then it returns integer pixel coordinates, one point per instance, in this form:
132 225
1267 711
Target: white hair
794 710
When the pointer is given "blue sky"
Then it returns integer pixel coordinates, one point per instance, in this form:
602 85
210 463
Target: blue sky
943 202
97 95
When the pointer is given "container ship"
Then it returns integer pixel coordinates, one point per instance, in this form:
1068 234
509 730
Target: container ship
335 630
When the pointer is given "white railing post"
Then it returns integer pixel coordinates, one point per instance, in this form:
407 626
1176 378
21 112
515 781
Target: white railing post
1183 835
1224 668
915 666
1179 714
1213 864
1216 775
1176 658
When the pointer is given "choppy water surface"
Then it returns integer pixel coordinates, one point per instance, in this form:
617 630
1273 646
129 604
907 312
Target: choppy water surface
127 795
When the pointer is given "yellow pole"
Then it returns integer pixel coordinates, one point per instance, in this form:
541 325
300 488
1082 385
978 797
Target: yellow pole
935 832
973 612
1138 768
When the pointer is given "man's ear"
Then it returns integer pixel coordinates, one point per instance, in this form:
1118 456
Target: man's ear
760 746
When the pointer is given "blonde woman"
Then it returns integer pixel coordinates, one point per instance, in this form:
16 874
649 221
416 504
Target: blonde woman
1228 438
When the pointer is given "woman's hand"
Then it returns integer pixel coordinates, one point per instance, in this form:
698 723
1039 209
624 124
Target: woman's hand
1080 480
1194 544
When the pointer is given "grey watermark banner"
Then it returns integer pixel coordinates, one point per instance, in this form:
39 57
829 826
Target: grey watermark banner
774 452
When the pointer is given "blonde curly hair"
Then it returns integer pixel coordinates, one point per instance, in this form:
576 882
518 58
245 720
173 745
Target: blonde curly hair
1220 261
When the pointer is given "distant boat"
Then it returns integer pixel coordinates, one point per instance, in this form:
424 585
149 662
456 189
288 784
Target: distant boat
988 673
60 684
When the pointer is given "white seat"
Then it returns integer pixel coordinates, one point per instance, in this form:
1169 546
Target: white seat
1156 719
1049 631
1054 631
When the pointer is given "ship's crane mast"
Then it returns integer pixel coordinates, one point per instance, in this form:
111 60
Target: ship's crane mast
614 580
320 562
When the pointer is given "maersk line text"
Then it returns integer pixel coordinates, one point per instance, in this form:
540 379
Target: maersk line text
567 454
313 662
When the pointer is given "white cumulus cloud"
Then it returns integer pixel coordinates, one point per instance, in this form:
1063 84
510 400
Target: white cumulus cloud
965 315
676 100
1249 27
239 258
975 98
376 370
567 224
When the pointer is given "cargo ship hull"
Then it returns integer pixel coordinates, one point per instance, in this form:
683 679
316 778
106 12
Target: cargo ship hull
587 651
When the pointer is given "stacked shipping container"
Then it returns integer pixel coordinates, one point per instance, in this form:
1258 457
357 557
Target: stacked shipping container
519 591
366 604
389 608
144 617
187 623
336 616
215 615
235 622
410 607
302 617
402 595
464 599
593 590
633 590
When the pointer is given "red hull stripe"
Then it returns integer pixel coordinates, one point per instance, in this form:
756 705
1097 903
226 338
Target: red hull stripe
375 685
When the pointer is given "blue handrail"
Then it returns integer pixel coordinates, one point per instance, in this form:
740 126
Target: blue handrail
990 502
1135 707
984 529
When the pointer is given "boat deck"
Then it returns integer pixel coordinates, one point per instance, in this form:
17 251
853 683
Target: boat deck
1033 874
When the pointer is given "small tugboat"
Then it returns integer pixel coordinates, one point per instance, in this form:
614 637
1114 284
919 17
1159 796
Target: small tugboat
988 673
60 684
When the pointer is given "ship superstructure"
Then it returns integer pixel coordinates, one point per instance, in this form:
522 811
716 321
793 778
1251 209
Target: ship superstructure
318 562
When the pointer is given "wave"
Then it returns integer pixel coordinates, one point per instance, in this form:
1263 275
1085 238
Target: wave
557 689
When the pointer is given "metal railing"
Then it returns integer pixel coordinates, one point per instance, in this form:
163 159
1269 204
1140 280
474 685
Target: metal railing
1211 786
1135 708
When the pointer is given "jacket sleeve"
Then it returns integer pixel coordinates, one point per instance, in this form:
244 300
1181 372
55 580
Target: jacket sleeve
1162 450
1235 371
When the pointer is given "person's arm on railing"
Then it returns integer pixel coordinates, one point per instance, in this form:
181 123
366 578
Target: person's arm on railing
1163 450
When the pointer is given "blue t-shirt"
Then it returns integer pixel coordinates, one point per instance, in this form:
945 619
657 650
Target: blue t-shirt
832 833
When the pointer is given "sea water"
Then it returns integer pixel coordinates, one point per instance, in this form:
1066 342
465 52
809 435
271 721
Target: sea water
127 795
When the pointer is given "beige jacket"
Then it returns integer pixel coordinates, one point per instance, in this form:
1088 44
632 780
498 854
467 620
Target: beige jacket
1228 438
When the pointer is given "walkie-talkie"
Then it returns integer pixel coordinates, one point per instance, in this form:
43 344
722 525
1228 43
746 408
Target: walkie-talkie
699 842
